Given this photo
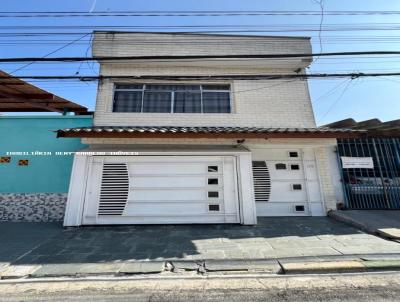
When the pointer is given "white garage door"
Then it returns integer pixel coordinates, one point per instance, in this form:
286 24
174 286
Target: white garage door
161 189
286 183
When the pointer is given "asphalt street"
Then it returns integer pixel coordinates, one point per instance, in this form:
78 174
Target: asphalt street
362 287
365 295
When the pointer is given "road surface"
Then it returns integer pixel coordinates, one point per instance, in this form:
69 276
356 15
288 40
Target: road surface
361 287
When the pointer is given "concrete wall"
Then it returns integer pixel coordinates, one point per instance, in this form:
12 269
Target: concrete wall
38 191
262 103
48 173
163 44
266 103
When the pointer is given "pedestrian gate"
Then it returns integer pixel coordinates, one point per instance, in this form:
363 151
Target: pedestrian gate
377 187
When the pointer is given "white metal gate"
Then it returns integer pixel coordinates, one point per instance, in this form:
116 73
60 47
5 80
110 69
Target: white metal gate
286 182
376 188
161 189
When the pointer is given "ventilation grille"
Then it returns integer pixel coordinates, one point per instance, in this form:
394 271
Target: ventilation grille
114 189
262 181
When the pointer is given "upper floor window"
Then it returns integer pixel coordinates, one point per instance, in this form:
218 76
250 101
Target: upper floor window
165 98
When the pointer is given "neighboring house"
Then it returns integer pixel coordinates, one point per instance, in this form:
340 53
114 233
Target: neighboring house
206 146
375 185
33 179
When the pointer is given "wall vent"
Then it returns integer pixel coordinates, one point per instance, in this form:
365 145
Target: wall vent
114 190
299 208
262 181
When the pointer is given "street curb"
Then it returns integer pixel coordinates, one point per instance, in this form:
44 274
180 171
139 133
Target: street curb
319 267
382 265
346 266
207 267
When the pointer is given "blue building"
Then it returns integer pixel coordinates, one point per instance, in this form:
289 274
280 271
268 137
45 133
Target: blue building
35 166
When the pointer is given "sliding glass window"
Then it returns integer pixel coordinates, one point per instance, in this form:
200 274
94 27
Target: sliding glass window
163 98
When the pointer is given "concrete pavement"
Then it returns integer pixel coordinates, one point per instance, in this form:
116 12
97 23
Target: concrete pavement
47 243
275 245
385 223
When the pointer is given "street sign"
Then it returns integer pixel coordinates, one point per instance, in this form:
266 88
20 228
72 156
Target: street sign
357 162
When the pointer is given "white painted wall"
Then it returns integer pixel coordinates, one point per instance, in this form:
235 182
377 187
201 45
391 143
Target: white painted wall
317 151
152 44
336 174
260 103
277 103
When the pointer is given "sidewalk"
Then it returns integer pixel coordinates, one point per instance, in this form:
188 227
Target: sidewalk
275 245
384 223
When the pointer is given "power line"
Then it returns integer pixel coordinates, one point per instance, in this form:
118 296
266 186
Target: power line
204 37
216 29
246 32
197 57
337 100
321 4
211 77
352 58
50 53
61 14
204 25
49 42
329 92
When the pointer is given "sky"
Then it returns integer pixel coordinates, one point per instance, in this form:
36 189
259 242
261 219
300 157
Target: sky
333 99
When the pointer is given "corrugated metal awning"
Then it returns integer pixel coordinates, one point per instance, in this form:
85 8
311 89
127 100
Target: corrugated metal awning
374 127
19 96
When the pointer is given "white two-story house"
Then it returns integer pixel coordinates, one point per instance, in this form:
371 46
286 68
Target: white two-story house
188 129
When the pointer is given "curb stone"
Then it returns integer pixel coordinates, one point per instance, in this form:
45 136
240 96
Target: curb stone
4 266
57 270
316 267
186 265
265 266
382 264
284 266
18 271
142 267
330 258
380 257
322 267
391 233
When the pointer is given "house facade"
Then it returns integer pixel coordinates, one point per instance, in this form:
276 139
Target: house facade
185 132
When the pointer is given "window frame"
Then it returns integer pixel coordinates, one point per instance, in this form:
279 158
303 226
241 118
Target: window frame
294 164
293 151
172 92
279 164
293 185
212 205
301 206
115 89
211 166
